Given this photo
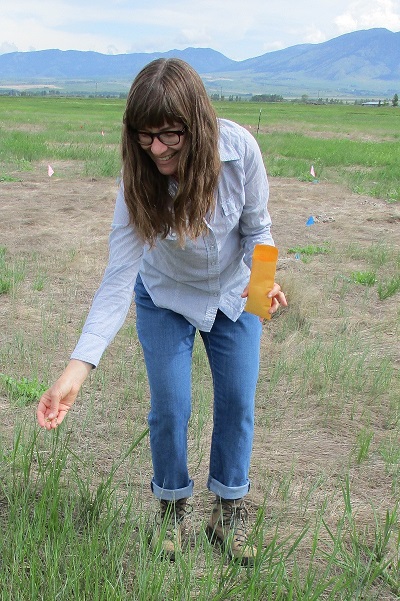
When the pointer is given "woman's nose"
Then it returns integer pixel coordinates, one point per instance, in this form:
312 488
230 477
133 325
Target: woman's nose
157 147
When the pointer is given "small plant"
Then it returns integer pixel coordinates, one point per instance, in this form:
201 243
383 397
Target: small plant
24 391
10 274
5 282
38 284
389 288
365 278
364 439
8 178
5 285
309 250
389 450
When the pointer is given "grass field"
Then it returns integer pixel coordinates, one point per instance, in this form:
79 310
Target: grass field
75 506
353 145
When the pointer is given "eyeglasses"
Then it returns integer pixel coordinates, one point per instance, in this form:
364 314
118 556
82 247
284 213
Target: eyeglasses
169 138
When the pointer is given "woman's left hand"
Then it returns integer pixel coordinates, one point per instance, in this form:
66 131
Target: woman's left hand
278 298
276 294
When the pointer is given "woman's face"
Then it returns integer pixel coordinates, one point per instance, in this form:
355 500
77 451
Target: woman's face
165 156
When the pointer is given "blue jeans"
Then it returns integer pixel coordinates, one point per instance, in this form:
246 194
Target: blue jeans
233 350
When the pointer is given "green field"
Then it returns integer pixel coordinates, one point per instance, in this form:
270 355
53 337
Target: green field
75 504
353 145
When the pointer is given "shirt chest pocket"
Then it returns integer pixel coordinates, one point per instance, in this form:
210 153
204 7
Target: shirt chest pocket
227 215
231 205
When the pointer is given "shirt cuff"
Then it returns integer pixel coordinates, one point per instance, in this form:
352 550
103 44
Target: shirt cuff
90 348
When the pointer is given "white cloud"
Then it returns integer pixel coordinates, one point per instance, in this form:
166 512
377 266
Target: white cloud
193 37
313 35
6 47
112 49
366 14
30 33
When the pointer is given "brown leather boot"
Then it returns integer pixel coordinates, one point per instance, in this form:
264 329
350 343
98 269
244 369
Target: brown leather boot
228 526
167 535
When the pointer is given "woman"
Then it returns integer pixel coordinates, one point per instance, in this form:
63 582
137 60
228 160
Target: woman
191 207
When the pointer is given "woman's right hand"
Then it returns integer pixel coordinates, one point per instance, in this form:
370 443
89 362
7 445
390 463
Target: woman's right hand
55 403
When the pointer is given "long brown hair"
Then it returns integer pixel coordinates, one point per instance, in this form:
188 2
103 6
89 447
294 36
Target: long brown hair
167 91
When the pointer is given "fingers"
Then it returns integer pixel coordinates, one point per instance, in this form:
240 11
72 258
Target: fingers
245 292
278 298
55 403
276 294
275 290
48 409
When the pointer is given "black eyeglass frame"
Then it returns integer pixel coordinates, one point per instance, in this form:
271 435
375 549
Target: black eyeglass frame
159 135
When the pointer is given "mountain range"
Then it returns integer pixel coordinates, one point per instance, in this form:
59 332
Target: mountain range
354 64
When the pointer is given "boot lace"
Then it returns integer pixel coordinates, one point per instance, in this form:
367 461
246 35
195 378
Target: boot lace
174 511
235 516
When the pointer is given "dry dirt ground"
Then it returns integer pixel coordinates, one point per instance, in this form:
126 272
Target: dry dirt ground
58 227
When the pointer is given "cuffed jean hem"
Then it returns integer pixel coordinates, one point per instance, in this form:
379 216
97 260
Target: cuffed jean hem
227 492
172 495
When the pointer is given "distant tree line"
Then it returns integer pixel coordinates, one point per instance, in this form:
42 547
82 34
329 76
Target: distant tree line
247 98
61 94
267 98
305 99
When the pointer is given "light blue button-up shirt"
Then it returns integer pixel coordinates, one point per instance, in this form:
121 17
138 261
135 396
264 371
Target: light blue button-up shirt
208 274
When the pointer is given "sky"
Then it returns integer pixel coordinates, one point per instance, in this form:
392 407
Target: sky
239 29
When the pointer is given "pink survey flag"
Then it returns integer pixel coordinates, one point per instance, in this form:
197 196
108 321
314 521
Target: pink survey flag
50 170
312 171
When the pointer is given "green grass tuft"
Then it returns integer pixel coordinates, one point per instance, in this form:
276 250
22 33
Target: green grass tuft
365 278
389 288
23 391
309 250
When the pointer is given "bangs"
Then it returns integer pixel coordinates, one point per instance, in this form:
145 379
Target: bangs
152 108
